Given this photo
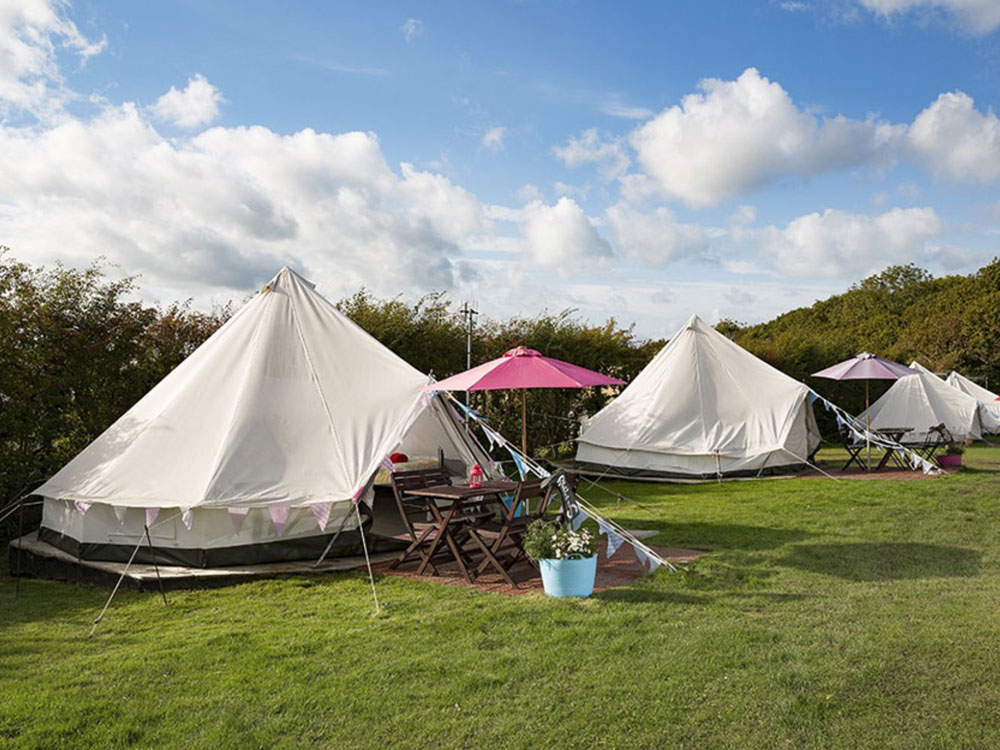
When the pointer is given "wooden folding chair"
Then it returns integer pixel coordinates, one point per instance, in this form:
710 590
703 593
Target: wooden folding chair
936 438
491 537
414 511
854 449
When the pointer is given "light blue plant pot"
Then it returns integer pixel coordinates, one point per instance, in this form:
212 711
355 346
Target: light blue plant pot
573 577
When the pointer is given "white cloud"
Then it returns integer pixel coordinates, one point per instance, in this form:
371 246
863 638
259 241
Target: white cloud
738 135
840 244
412 28
32 32
197 104
956 140
224 208
529 192
973 16
493 138
653 238
616 106
560 237
594 147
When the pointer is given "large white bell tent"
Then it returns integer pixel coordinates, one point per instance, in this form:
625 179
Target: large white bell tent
704 407
253 449
923 401
989 402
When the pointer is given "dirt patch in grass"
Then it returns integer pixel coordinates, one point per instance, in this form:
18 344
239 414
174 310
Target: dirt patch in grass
621 569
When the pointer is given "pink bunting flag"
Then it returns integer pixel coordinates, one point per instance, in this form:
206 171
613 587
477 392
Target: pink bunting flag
322 513
151 514
279 517
81 507
187 517
237 516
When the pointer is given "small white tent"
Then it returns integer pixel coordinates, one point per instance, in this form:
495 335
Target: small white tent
703 407
989 405
923 401
253 448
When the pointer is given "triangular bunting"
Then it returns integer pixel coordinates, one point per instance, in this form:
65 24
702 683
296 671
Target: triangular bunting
151 514
578 520
81 507
321 511
640 554
614 542
518 462
121 511
236 517
279 517
187 517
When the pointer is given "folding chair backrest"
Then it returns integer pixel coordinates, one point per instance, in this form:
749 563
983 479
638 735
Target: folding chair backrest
416 479
528 490
938 435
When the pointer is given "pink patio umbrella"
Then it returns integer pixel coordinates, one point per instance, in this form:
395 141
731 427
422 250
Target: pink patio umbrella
866 366
521 369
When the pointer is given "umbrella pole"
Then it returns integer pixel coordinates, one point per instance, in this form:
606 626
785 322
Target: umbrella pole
868 427
524 422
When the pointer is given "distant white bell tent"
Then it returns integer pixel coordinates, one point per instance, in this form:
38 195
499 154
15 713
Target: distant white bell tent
253 449
704 407
989 402
923 401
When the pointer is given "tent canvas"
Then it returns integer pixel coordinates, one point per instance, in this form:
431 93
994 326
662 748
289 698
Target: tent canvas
922 401
989 406
703 406
278 421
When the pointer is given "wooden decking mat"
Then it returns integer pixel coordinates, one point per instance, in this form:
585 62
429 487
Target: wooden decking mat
621 569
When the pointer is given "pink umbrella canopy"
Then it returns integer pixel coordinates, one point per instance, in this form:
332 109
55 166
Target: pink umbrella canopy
520 369
865 366
523 368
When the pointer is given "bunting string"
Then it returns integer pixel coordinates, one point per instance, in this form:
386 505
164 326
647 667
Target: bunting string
525 464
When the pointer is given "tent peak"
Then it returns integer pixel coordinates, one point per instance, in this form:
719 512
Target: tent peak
286 277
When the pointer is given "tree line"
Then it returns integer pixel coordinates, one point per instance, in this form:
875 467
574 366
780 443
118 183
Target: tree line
77 349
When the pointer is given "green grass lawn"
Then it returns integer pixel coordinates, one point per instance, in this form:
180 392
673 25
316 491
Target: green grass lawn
858 613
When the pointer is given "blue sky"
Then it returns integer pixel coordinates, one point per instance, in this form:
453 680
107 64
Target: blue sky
641 160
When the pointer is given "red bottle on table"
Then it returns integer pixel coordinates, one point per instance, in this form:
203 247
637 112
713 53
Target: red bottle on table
476 476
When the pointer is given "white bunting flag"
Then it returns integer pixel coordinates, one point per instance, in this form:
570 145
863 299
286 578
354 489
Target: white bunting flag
614 542
322 513
81 507
151 514
579 519
653 563
236 517
640 555
187 517
279 517
120 513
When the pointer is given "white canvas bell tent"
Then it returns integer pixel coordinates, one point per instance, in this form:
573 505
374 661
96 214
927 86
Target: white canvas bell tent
704 407
989 406
254 447
923 401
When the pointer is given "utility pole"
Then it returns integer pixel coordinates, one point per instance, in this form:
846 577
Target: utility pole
469 314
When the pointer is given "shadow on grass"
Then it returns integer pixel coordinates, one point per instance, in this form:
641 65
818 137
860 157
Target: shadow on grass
632 595
885 561
715 536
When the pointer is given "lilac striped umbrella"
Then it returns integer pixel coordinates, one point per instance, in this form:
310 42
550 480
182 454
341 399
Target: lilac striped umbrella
866 366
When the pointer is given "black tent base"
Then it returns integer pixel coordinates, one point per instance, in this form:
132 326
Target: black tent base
39 559
600 471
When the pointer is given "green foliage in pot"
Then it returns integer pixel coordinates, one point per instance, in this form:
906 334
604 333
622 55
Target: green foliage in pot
547 540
